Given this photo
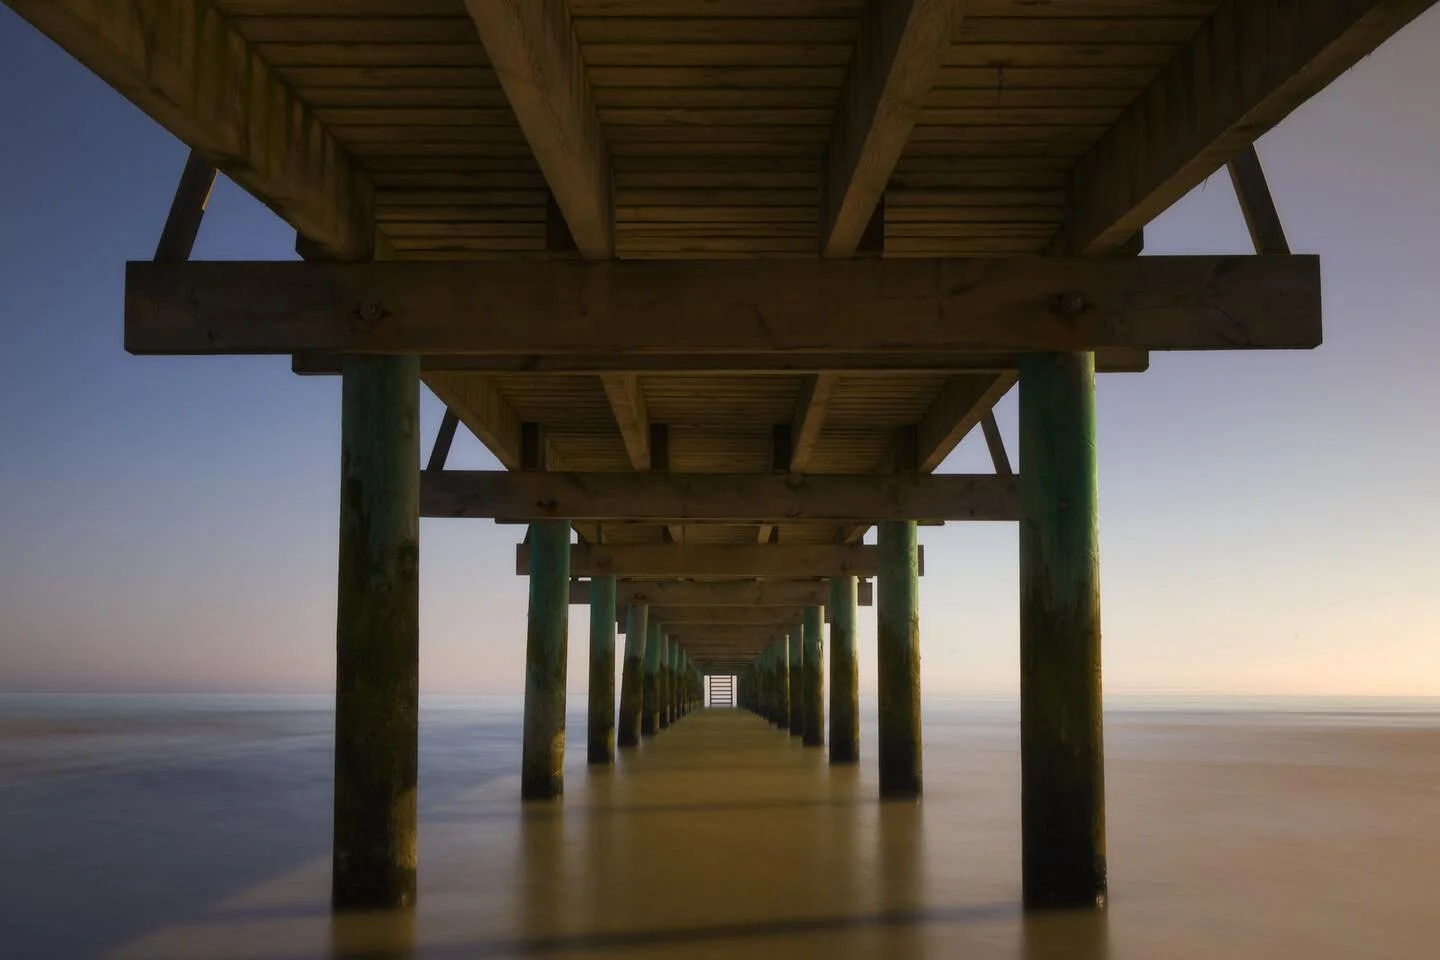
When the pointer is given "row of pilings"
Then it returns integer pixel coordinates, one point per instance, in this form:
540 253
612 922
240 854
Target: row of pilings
377 690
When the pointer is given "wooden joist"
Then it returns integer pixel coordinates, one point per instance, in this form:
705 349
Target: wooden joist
627 402
810 412
678 560
484 411
652 497
562 307
875 363
536 56
962 402
728 593
181 62
1247 68
724 616
899 52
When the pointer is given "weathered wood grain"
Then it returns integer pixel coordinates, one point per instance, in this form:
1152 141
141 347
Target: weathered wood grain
897 58
532 46
562 307
682 560
729 593
737 498
183 63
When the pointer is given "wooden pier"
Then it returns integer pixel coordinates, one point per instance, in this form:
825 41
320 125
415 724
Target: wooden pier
720 283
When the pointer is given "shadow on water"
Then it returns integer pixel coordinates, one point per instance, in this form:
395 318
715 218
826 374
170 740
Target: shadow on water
1066 935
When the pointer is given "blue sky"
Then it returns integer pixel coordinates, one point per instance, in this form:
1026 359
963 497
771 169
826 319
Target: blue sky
1269 520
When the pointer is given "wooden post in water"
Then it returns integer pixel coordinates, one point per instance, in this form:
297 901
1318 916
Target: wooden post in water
814 676
542 759
1062 759
844 673
898 647
632 675
782 685
600 739
650 711
377 636
797 679
662 685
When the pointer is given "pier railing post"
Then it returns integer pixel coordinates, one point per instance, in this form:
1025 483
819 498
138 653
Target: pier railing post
632 675
600 735
898 649
796 634
814 676
1062 760
650 711
542 760
377 636
844 673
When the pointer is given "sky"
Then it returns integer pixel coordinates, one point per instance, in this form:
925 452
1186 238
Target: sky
1269 520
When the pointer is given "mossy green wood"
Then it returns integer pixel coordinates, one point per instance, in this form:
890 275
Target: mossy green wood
542 760
632 675
1062 756
650 711
796 643
377 636
663 684
844 673
600 735
898 650
813 678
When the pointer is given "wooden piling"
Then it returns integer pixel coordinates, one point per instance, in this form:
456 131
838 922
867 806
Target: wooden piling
542 758
377 636
662 686
1062 757
898 648
844 673
813 678
600 735
796 644
782 685
650 711
632 675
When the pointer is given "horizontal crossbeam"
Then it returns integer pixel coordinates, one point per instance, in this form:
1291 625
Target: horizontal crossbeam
685 560
728 593
558 307
724 498
721 616
873 363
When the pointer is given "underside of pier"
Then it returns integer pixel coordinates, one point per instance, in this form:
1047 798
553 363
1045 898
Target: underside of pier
720 284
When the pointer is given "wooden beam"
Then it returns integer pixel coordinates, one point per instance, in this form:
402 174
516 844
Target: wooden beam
723 497
563 307
810 412
444 437
627 403
187 209
686 560
996 443
484 411
899 50
1245 70
962 403
729 593
182 63
1256 204
536 56
727 616
871 364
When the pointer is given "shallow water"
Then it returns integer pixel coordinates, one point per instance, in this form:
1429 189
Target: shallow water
187 827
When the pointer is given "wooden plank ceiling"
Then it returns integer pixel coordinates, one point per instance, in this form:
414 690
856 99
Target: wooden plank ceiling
732 128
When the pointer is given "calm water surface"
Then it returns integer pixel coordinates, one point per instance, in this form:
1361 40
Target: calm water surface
1238 828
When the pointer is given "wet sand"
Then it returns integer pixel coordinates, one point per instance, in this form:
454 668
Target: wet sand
1229 837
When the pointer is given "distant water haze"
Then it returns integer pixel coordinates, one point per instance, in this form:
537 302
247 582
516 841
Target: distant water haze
198 826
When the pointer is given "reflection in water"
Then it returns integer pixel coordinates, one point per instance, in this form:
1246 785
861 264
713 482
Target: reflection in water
1066 935
377 935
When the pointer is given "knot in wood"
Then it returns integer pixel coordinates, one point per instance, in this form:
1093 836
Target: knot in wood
1070 304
